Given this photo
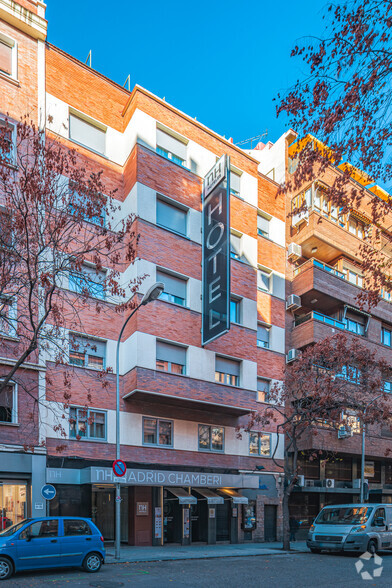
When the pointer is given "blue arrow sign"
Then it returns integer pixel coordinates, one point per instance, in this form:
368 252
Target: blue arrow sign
48 491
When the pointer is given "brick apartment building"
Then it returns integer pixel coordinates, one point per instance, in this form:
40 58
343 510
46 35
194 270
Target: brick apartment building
190 477
324 270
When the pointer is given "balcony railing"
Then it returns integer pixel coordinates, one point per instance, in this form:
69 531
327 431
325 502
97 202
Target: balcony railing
319 317
324 266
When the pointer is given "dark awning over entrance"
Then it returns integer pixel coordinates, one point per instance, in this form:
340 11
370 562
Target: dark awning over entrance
183 496
212 497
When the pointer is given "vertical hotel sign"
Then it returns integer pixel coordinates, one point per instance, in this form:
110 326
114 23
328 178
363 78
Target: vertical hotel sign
216 251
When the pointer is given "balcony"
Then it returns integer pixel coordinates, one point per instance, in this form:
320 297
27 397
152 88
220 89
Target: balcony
320 317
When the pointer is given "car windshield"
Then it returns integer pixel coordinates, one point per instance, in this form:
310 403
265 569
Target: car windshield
11 530
344 515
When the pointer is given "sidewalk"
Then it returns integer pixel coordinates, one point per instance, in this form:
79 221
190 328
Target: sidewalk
173 552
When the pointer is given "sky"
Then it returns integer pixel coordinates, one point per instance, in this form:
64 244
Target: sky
221 61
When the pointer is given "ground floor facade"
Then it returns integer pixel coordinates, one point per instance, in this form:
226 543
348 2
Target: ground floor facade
162 506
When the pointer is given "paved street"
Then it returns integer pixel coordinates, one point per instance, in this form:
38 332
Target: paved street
281 570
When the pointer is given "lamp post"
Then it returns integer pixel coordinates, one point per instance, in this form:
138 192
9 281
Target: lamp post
152 294
362 497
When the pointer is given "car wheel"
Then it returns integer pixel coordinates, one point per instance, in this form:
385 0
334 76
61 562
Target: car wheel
92 563
315 550
372 546
6 568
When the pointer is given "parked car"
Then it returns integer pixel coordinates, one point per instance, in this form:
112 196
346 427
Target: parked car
51 542
352 527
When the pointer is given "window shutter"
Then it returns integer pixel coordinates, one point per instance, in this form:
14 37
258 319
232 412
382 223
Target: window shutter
173 285
263 385
263 224
235 182
87 345
5 58
227 366
86 134
171 144
92 274
172 353
235 243
262 333
171 217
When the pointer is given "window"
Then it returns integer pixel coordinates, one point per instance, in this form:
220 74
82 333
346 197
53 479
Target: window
87 424
171 217
388 387
74 528
353 276
235 246
175 288
171 147
227 371
170 358
94 213
211 438
350 373
264 280
8 404
157 432
356 227
235 183
263 226
263 390
88 282
386 336
235 310
8 140
263 336
8 56
260 444
87 352
87 133
355 323
41 529
8 316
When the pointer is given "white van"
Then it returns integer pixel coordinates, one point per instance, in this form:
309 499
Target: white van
352 527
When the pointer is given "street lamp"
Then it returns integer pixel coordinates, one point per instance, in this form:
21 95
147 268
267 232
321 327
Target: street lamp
152 294
361 498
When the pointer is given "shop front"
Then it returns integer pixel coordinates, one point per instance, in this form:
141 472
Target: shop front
157 506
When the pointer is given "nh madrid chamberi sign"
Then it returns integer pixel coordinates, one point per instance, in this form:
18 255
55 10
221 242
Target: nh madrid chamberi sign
216 251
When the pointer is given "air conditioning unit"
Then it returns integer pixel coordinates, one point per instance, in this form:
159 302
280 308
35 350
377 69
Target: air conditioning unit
309 483
292 355
344 431
329 483
301 481
357 483
293 302
294 251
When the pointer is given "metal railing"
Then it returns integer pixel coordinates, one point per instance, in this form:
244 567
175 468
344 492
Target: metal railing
324 266
318 316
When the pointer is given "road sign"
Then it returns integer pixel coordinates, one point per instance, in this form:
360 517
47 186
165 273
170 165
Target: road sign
119 468
48 491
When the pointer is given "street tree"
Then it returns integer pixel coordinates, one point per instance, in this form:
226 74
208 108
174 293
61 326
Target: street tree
328 387
64 242
344 100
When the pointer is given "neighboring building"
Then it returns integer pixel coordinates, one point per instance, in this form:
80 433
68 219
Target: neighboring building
22 91
181 403
324 270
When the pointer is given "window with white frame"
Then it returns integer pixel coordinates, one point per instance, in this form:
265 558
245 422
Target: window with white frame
235 183
8 404
263 336
171 217
260 444
87 133
88 281
263 226
263 390
7 142
211 438
170 358
87 352
8 56
8 316
157 432
227 371
174 288
87 423
235 310
264 280
171 147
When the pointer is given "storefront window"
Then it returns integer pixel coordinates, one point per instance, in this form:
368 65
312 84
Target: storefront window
12 504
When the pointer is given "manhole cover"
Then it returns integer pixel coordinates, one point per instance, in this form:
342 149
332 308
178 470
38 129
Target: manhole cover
106 584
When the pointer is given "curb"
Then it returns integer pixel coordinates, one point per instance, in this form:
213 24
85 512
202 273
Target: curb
199 557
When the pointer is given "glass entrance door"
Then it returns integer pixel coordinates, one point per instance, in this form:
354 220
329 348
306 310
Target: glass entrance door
13 505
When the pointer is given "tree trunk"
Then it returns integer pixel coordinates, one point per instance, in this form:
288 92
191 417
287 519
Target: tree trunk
286 517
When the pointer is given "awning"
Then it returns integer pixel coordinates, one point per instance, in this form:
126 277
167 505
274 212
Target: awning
212 497
235 497
183 496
